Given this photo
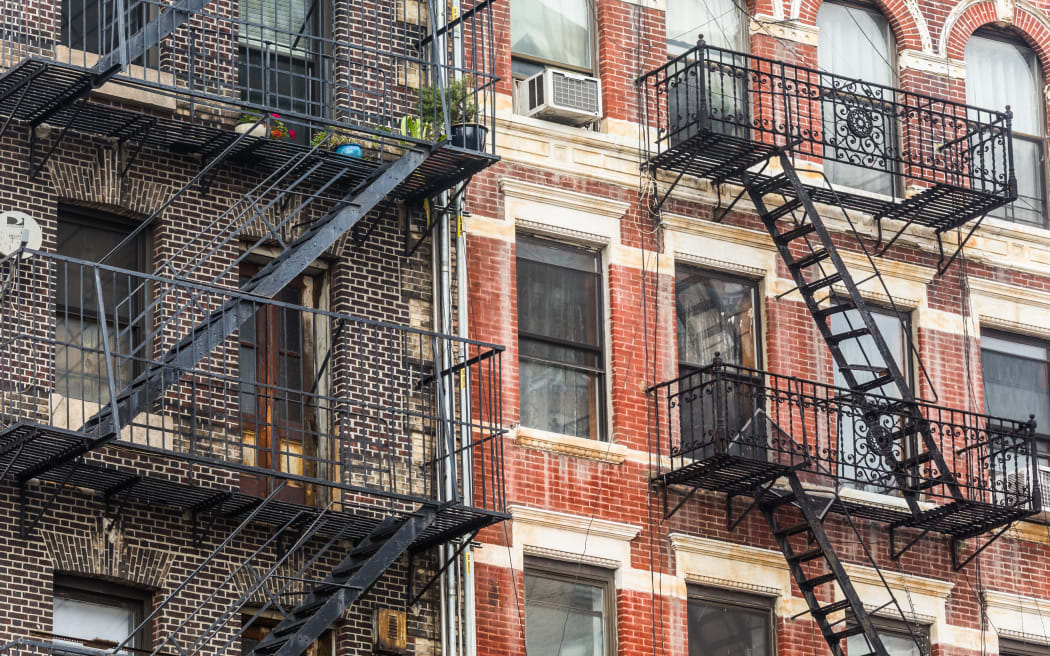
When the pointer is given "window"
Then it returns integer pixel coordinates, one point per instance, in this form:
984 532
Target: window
98 614
1012 647
1016 377
1000 71
720 21
279 414
856 42
80 366
861 468
551 32
282 58
896 638
85 27
715 314
729 623
560 343
569 609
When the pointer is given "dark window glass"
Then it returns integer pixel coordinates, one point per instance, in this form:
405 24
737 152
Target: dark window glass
725 627
715 314
281 59
97 613
862 467
90 25
80 365
567 611
560 353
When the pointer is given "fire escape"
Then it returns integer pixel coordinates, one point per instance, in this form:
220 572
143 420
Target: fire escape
388 440
788 446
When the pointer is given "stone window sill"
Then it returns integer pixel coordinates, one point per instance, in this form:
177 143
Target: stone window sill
568 445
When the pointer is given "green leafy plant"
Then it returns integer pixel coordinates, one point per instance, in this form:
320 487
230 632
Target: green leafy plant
247 118
334 138
460 98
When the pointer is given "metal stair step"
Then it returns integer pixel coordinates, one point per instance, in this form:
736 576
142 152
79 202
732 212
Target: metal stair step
807 555
816 581
772 184
834 340
816 285
824 313
795 529
916 460
835 636
781 211
789 236
874 383
292 626
780 501
810 259
833 607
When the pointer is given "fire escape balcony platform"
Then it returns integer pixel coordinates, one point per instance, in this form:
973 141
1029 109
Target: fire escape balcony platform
23 446
737 431
719 114
50 97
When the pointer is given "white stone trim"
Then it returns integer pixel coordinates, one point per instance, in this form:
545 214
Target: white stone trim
728 584
720 549
558 197
590 525
917 60
570 445
755 273
569 557
575 236
787 30
1018 614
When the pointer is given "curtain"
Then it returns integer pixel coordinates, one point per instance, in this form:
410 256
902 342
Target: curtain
552 30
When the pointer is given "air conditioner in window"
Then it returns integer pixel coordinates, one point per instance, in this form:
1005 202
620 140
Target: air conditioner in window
563 97
1018 487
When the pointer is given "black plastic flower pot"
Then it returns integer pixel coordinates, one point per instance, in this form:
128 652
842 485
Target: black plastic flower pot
471 136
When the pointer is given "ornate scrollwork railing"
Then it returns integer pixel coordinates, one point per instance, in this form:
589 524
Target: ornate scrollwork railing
920 138
749 416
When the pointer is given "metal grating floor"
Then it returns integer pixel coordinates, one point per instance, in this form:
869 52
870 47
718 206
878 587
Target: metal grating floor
24 445
719 158
742 476
51 82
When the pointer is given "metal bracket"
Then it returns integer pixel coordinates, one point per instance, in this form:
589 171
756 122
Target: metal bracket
894 554
196 511
23 511
35 169
957 543
413 599
107 499
757 495
139 136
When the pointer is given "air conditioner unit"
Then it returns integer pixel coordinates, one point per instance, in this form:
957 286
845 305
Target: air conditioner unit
563 97
1018 487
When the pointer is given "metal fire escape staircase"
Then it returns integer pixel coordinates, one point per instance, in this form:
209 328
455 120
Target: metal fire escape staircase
392 536
726 117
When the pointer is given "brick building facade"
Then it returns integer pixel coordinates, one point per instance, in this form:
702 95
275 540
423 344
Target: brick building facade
565 209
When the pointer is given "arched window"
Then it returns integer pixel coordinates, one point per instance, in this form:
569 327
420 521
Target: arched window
1001 70
722 22
856 42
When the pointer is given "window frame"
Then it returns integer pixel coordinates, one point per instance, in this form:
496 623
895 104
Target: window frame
1015 647
745 31
592 48
601 350
756 306
143 248
102 592
736 599
897 627
582 573
1042 439
1011 37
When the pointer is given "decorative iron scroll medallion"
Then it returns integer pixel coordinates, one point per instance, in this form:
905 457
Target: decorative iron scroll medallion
859 122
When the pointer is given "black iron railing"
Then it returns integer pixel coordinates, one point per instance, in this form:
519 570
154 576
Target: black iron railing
298 393
763 421
373 73
739 97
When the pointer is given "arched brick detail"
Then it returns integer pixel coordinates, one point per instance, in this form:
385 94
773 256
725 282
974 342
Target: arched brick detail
105 553
1035 31
907 22
101 186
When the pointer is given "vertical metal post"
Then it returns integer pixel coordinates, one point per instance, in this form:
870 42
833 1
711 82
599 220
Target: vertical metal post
110 381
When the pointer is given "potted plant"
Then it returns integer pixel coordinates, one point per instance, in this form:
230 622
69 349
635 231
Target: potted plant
461 101
275 130
339 141
245 123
